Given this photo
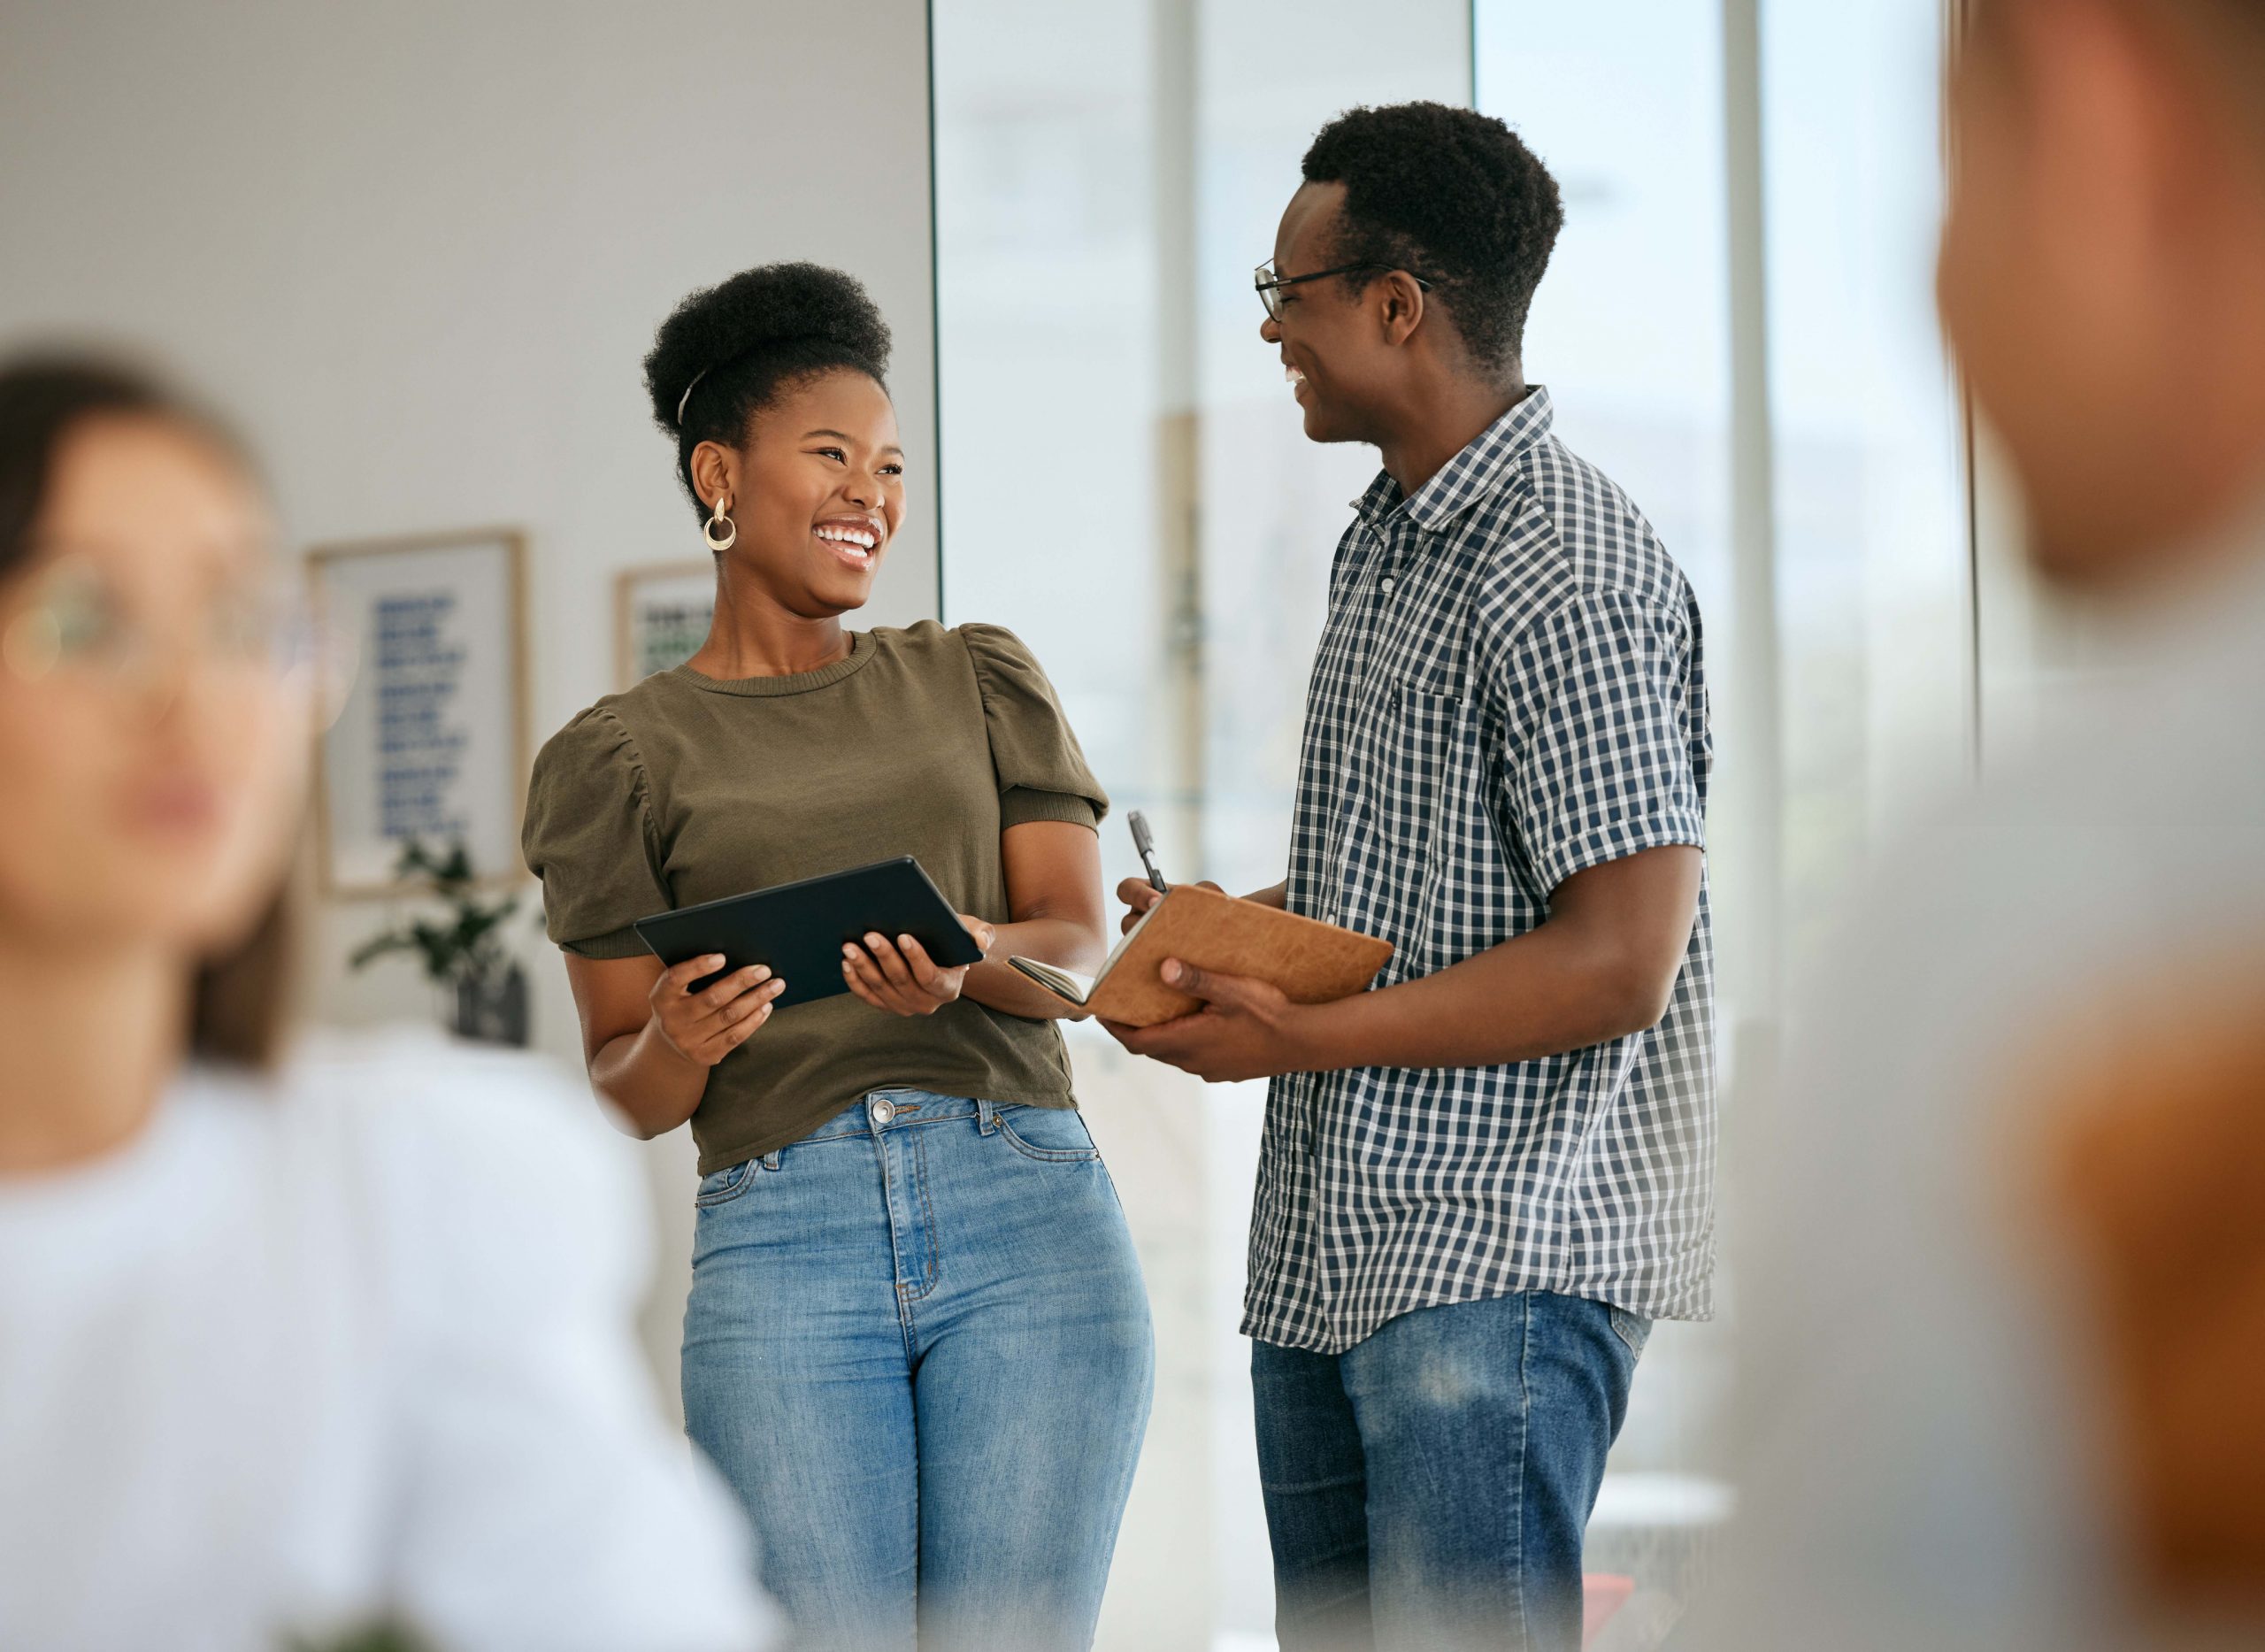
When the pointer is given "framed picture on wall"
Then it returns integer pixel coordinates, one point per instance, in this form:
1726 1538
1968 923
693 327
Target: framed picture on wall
431 741
661 616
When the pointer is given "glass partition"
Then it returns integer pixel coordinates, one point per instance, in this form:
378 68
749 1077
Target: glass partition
1125 483
1736 327
1630 332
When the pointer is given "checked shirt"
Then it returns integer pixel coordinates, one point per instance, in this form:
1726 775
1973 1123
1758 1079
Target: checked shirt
1509 691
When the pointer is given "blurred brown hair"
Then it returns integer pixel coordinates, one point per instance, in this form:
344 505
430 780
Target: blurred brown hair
240 1001
2225 38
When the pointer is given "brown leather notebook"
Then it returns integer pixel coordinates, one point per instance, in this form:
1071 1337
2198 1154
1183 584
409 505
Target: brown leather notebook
1311 961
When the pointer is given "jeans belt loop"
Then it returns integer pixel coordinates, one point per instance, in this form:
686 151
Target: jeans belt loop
771 1159
986 1117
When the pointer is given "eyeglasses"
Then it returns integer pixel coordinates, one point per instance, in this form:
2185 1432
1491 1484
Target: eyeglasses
1270 285
73 621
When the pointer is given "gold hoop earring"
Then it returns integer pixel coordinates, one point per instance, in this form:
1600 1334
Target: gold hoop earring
731 530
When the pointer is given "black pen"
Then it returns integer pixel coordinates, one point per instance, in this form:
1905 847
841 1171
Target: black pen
1147 845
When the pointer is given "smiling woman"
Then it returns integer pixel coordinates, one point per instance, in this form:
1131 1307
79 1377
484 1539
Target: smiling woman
788 748
800 353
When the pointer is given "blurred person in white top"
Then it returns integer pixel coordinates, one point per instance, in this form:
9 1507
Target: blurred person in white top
291 1345
2003 1282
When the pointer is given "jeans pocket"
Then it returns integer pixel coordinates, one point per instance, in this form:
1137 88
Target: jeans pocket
1051 1134
1633 1329
724 1186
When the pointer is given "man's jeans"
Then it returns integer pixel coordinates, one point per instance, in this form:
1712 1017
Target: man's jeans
1427 1488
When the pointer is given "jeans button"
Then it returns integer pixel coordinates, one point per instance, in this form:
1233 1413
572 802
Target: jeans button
883 1111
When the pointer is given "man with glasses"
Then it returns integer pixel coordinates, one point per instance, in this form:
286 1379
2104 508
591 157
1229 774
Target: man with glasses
1483 1179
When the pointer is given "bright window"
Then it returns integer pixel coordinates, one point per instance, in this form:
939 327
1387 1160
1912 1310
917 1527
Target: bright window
1736 327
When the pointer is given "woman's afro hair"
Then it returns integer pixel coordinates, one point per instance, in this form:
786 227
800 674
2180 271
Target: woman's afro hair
736 345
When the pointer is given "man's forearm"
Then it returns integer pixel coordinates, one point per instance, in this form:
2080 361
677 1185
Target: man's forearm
1554 990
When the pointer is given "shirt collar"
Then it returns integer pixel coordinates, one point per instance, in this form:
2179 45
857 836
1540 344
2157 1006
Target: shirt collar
1470 475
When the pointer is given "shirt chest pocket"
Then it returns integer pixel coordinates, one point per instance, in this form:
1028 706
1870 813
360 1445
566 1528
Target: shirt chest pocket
1415 758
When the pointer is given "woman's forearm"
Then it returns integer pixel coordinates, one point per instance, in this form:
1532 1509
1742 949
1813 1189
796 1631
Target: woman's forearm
998 984
654 1088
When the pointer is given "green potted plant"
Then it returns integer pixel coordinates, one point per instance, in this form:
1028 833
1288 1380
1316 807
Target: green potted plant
383 1636
462 954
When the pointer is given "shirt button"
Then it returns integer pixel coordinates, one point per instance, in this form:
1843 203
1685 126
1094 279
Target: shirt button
883 1111
1386 585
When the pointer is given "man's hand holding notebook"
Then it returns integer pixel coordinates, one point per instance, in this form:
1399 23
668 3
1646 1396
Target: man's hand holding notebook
1310 961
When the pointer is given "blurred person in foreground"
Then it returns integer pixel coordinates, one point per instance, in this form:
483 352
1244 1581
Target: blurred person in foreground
291 1343
2006 1297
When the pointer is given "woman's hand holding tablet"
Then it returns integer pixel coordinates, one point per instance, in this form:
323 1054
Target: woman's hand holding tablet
805 934
706 1025
901 978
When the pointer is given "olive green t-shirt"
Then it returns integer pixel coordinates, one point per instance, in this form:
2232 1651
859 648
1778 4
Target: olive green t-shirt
924 741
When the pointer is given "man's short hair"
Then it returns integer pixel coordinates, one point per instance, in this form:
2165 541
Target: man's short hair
1450 195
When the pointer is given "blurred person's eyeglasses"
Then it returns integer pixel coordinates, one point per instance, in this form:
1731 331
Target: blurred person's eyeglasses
1270 284
72 623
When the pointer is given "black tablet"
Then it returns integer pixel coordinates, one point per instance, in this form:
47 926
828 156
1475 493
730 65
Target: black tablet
799 929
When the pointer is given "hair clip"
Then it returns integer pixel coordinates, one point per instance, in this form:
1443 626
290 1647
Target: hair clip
685 398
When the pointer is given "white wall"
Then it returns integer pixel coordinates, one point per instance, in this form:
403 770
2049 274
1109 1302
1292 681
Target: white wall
420 249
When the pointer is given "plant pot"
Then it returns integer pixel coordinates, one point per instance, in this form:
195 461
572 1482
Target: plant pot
491 1008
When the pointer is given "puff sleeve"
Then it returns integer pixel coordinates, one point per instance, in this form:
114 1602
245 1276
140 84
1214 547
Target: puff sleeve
1042 774
589 837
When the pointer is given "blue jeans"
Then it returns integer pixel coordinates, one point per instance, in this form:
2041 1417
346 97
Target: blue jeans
917 1346
1427 1488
